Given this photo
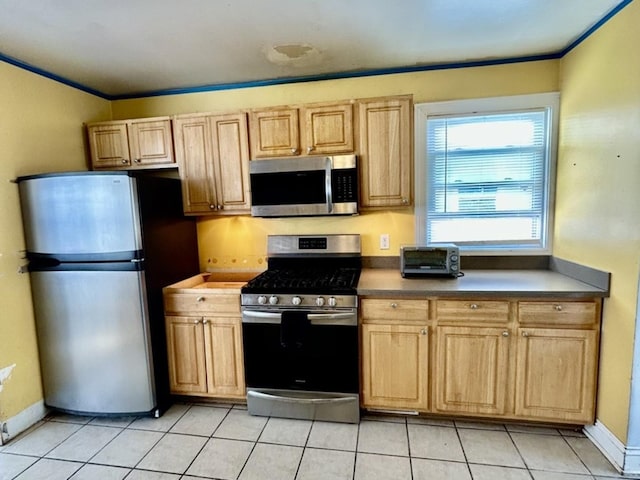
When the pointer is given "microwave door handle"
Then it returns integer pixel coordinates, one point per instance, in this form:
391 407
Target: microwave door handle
327 180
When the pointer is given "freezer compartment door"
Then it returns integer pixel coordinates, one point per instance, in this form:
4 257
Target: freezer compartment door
83 216
94 341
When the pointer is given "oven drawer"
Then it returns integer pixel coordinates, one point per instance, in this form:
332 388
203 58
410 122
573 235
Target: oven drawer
403 309
202 303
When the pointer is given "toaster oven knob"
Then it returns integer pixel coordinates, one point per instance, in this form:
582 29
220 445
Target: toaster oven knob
320 301
332 301
262 300
296 300
273 300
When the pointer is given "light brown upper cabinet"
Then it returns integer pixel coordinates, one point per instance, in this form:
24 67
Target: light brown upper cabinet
131 144
314 129
385 150
213 159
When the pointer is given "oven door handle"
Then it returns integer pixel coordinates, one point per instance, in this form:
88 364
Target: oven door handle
342 318
348 318
309 401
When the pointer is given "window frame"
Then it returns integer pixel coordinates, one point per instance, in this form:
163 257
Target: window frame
492 105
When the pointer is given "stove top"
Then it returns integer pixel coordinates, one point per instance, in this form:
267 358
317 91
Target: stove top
307 270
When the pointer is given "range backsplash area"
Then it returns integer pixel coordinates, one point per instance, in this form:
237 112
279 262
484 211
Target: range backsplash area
239 243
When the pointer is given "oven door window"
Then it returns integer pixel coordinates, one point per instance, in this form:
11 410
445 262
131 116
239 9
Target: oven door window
325 360
289 188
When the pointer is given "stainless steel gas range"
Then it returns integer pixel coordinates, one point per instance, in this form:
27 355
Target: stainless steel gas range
300 329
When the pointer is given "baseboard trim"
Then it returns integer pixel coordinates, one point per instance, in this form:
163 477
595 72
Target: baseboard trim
22 421
632 461
625 459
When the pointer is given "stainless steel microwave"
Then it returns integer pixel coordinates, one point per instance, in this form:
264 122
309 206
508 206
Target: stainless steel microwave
304 186
424 261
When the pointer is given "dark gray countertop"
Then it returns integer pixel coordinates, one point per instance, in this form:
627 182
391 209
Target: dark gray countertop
486 283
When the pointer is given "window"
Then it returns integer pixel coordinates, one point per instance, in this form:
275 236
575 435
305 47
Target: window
485 171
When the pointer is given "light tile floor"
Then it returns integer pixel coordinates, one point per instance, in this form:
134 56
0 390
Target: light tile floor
221 441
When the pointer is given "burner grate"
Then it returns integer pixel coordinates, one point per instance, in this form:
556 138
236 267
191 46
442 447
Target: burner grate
305 280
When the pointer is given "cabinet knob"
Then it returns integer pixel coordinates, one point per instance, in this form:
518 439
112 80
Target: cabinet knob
505 333
294 151
200 299
405 201
525 334
137 160
219 207
394 305
196 321
310 149
473 306
558 308
205 321
212 207
124 161
424 331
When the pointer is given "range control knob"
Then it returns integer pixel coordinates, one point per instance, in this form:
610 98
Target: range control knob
262 300
320 301
332 301
273 300
296 300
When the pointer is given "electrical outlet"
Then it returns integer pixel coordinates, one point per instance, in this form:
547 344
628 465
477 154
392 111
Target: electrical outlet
384 241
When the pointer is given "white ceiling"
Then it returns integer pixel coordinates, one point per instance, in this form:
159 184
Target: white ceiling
136 47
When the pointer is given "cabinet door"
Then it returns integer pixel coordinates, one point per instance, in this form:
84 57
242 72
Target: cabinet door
224 358
328 129
471 369
556 374
151 142
109 145
230 151
385 147
193 152
395 366
185 346
275 132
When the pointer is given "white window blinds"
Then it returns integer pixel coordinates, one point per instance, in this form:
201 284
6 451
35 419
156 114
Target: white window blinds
487 178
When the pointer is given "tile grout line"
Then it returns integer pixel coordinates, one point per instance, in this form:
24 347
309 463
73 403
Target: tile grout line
593 475
164 434
466 460
406 428
355 457
515 445
253 448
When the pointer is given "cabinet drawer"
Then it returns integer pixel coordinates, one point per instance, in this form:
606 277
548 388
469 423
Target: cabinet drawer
560 313
202 303
472 310
394 309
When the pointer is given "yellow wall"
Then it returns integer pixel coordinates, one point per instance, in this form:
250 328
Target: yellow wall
598 193
41 131
240 242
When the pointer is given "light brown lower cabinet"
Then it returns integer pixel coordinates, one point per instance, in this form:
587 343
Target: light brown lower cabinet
471 370
516 359
204 341
205 355
556 374
394 366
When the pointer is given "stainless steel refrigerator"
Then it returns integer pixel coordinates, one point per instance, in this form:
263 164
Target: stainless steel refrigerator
101 245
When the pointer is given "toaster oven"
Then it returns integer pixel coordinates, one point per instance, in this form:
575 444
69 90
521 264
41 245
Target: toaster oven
426 261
